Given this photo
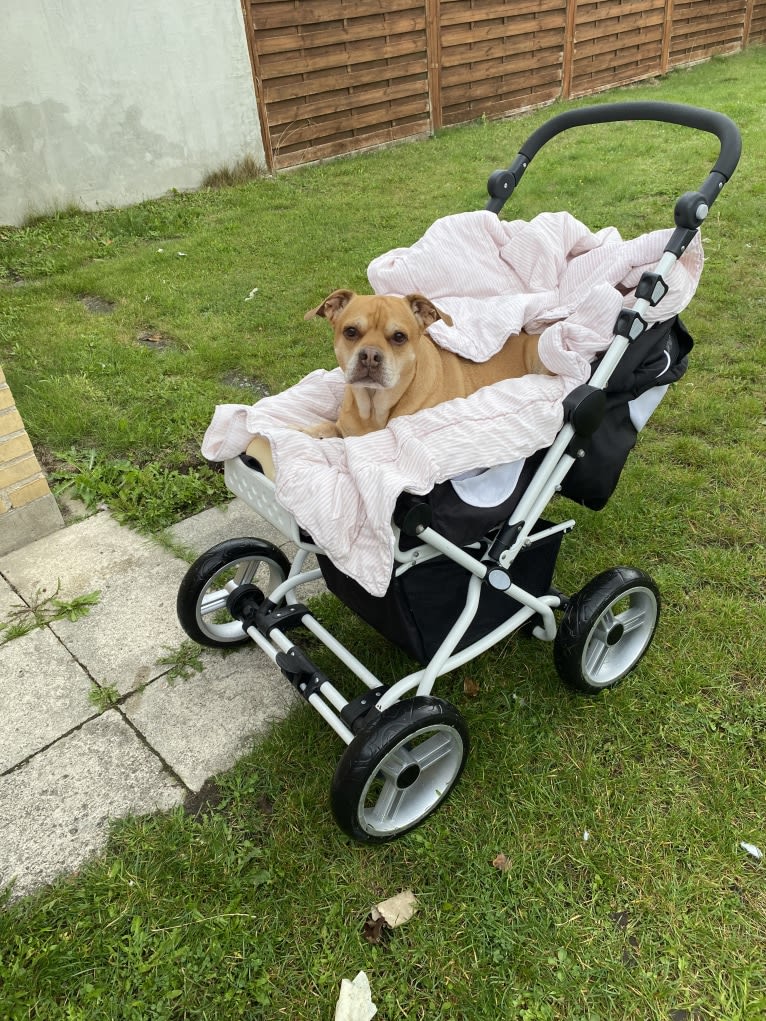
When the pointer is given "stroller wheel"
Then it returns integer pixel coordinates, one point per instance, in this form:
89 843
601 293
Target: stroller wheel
201 602
606 629
399 769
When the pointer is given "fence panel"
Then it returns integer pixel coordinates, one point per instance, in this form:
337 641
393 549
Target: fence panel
497 56
758 23
703 28
336 76
616 43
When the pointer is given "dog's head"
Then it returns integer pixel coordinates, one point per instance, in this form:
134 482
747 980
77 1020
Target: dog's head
377 336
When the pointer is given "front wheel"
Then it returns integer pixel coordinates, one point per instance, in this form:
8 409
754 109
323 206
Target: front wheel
606 629
201 602
399 769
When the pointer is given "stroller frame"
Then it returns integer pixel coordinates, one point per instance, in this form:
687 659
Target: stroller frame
405 749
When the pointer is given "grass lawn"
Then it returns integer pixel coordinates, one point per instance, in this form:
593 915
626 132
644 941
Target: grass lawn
119 332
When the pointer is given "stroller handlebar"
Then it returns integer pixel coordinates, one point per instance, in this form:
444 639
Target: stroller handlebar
692 207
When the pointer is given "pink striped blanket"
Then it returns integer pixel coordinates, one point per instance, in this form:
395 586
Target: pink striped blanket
549 275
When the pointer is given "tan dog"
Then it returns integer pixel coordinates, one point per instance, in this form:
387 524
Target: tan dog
392 366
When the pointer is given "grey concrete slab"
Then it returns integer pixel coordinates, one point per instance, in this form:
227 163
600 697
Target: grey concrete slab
22 525
10 603
123 636
44 694
55 810
232 520
75 560
203 724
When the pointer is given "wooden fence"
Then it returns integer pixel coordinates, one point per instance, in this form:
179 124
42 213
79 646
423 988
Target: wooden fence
337 76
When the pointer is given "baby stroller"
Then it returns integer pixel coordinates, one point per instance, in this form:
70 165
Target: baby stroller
464 578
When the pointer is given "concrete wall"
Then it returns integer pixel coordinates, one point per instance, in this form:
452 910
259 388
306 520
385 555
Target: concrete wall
105 103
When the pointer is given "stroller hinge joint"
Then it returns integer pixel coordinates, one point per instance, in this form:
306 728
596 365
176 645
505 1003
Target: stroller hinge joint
355 713
630 324
505 538
652 288
301 672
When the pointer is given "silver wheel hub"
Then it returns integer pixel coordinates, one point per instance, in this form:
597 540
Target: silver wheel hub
619 636
411 780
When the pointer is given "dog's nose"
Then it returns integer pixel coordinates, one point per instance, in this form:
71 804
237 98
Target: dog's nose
370 356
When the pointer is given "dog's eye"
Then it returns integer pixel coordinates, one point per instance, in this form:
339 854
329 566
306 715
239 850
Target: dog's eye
399 337
351 333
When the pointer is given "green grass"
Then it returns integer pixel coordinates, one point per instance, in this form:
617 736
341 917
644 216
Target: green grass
254 908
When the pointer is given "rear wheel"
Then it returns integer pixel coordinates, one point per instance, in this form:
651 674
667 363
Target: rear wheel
399 769
606 629
201 602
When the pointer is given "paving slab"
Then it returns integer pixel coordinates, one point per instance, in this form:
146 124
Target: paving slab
44 694
10 602
125 633
201 725
55 810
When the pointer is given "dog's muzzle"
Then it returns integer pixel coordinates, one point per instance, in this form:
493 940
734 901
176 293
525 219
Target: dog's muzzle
369 366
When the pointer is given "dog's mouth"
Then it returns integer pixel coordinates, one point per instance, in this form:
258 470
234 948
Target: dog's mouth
374 378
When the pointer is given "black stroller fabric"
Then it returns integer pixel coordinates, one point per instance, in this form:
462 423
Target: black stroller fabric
659 356
423 603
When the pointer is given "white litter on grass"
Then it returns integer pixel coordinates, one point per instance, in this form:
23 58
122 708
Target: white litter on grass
252 294
396 910
181 254
355 1000
752 850
586 835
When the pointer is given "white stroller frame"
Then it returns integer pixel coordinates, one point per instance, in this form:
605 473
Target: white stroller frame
405 749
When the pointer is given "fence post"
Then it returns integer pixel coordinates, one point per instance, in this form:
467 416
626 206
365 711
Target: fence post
28 510
567 62
434 58
667 32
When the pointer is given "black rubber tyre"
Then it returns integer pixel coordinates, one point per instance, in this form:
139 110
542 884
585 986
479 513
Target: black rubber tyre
606 629
399 769
201 602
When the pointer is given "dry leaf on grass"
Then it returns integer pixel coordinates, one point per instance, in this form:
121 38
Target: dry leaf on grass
471 687
501 862
388 915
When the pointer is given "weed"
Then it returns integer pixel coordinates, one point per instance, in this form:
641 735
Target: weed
103 696
44 610
149 497
246 169
184 661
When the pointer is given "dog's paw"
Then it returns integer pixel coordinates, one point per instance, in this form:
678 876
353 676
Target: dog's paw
321 431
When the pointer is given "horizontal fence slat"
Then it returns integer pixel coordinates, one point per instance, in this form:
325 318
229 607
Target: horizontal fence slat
284 13
344 146
335 103
454 14
297 86
354 31
338 58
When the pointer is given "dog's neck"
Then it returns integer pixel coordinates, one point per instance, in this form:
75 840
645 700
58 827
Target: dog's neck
373 406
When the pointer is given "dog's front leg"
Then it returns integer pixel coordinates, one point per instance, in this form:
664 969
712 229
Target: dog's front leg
321 431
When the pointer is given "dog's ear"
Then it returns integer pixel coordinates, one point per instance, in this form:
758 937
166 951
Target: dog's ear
425 311
331 306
